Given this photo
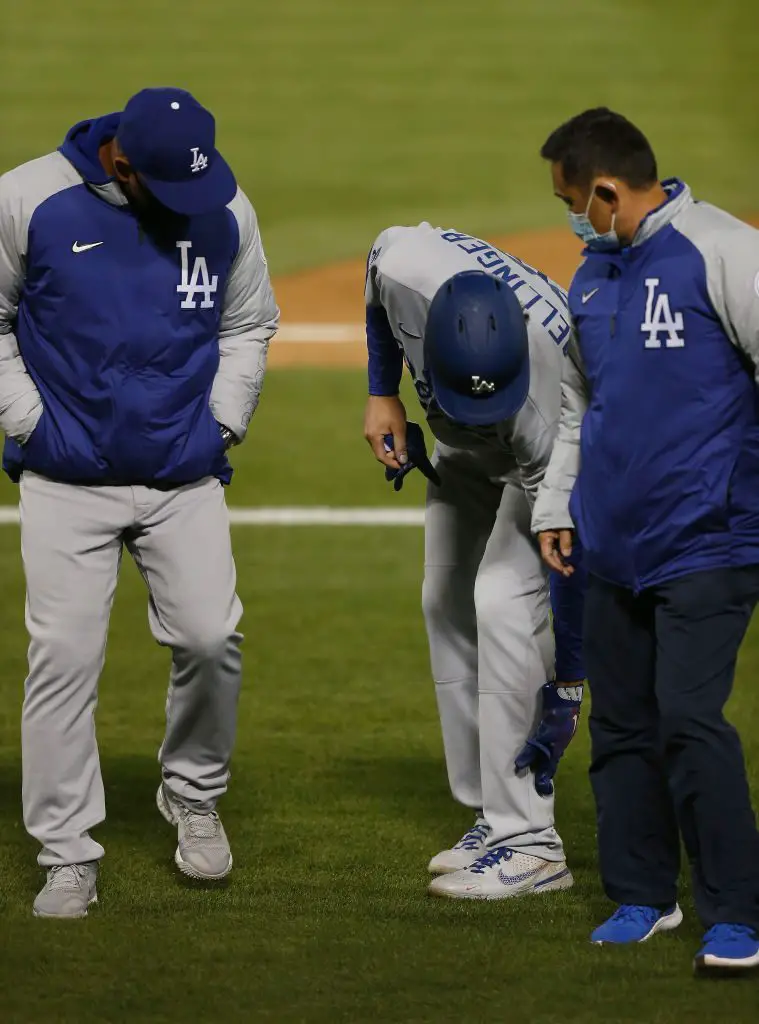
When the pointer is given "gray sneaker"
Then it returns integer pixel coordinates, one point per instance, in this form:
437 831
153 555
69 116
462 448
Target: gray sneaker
68 892
203 851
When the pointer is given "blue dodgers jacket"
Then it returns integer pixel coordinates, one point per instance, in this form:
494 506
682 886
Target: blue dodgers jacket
120 354
658 442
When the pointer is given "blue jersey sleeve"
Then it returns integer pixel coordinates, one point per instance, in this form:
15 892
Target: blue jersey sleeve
385 356
567 604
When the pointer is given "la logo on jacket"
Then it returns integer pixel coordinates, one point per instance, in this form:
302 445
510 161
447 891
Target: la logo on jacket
196 281
660 319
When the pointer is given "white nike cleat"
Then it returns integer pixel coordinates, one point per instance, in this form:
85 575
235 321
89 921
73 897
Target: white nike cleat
68 892
471 846
502 873
203 850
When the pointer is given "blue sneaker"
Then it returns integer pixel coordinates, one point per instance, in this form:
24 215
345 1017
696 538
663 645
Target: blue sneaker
636 924
728 948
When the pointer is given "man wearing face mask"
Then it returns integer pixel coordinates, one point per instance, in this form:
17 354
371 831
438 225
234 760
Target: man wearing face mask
657 468
135 316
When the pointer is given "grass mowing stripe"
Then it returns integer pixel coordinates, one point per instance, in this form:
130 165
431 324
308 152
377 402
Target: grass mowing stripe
296 516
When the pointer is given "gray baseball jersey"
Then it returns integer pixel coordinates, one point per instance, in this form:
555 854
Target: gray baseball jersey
406 267
485 595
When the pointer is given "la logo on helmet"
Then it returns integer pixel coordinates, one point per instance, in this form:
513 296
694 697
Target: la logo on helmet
481 387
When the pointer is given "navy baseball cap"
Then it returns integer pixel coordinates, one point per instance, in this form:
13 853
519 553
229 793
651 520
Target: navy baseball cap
170 140
476 349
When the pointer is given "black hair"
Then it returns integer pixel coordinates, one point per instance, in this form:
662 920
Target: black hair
598 141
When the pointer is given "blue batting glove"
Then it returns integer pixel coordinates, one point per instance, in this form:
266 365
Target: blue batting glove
416 449
544 750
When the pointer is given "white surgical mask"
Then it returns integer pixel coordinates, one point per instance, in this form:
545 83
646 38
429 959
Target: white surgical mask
580 224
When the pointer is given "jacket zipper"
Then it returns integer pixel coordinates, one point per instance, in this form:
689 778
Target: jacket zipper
618 275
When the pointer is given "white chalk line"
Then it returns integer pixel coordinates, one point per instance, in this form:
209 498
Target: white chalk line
304 333
317 515
320 334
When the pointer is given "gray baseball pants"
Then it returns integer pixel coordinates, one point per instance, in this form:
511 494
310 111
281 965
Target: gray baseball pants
72 539
487 609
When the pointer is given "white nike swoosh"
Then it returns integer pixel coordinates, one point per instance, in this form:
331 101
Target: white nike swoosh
587 296
76 247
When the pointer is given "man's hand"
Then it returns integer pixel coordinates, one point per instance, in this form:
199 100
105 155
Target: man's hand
543 751
556 549
417 458
386 414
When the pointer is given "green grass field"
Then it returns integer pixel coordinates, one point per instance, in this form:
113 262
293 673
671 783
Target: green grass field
340 118
338 798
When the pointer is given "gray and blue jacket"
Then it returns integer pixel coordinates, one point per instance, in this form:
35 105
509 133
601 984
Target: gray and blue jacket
119 354
656 462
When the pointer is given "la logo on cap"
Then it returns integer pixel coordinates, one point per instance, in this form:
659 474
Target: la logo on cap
199 160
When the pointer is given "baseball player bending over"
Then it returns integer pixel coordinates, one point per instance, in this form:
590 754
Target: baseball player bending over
483 336
135 313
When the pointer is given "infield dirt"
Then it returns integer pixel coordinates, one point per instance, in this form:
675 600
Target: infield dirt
334 295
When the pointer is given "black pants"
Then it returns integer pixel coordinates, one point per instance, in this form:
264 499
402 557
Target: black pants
665 760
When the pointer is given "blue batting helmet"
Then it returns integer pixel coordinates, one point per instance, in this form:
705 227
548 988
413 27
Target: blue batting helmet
476 350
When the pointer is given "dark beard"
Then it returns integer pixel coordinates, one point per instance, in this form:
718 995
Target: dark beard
160 224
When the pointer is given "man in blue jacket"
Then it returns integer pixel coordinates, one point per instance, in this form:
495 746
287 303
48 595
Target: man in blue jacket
135 315
659 449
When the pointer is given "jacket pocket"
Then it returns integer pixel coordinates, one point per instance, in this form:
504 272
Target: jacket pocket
743 487
17 457
202 453
32 442
702 486
46 451
218 439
